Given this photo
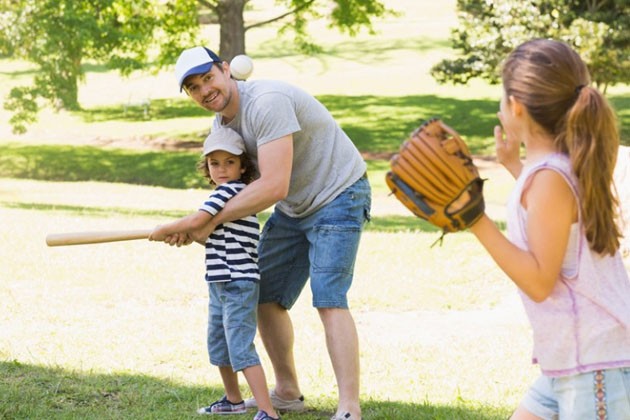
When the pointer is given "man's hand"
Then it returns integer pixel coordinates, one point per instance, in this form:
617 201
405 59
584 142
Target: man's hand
202 234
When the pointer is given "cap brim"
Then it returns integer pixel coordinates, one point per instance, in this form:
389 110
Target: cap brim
200 69
225 147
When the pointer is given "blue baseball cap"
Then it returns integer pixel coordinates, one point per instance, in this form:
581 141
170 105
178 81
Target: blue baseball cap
196 60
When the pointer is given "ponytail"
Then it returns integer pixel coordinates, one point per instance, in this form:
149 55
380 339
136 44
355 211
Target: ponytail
591 138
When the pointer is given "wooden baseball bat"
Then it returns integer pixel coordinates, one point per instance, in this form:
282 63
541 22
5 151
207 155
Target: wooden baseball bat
96 237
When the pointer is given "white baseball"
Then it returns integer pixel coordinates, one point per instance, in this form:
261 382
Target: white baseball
241 67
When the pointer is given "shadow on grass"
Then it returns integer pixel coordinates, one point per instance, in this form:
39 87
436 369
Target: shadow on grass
375 124
86 163
30 391
390 224
163 169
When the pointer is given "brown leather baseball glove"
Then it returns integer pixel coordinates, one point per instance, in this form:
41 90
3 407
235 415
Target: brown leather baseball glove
434 176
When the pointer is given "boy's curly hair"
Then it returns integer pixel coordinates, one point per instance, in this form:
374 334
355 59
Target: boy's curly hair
247 177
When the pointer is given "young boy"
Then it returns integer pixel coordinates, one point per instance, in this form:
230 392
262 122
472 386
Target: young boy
231 273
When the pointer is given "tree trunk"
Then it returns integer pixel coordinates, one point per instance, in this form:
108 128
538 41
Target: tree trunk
232 33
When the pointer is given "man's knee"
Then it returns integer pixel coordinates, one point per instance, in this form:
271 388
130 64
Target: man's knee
333 315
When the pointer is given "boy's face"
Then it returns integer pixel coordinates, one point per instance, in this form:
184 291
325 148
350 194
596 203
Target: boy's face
212 90
224 166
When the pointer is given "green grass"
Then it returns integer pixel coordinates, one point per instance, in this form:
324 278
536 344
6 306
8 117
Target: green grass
374 123
117 330
37 392
83 163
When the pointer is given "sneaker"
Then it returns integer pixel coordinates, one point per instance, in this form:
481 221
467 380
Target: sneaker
278 403
224 406
262 415
344 416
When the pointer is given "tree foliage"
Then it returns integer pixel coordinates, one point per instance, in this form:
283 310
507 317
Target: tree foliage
347 16
59 36
488 30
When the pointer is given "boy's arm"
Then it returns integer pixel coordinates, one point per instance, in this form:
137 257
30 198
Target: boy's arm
275 161
184 226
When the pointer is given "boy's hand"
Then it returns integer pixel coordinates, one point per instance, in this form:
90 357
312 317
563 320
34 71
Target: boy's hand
157 234
178 239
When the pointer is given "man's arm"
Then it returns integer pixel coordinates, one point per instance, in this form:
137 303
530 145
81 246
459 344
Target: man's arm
275 160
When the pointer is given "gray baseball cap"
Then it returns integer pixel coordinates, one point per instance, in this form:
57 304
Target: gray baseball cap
224 139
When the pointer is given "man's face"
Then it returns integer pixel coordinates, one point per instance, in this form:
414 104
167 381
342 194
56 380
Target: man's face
212 90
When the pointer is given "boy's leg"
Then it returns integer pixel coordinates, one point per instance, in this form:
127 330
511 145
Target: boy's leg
255 376
230 383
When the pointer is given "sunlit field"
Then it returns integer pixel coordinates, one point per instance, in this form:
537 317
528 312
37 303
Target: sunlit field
118 330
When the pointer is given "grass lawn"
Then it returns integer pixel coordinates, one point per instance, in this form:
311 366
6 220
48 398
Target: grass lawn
118 330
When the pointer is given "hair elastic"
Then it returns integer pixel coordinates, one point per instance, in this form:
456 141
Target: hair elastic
578 89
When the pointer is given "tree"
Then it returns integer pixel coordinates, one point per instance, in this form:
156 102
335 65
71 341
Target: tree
349 16
59 36
488 30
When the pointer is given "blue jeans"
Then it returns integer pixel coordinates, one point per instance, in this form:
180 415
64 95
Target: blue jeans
322 246
232 324
582 396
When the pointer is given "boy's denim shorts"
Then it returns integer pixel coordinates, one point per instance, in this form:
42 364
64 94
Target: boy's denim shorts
592 395
322 246
232 324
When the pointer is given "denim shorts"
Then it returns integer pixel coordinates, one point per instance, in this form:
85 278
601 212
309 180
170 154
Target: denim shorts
592 395
322 246
232 324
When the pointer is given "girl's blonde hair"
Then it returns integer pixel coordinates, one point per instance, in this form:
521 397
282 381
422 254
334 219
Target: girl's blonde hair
247 177
550 79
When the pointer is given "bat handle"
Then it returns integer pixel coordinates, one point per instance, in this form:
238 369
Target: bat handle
81 238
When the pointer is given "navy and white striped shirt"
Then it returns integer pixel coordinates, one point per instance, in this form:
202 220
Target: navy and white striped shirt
232 249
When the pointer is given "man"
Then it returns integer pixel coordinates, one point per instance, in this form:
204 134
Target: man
316 178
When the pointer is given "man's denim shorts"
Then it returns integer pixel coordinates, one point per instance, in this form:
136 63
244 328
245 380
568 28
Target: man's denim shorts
592 395
232 324
322 246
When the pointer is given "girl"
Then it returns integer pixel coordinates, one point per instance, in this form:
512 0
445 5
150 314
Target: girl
232 275
563 248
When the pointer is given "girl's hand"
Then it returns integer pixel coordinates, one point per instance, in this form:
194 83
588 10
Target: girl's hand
507 147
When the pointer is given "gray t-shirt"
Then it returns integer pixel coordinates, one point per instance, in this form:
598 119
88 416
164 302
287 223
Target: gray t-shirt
325 161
